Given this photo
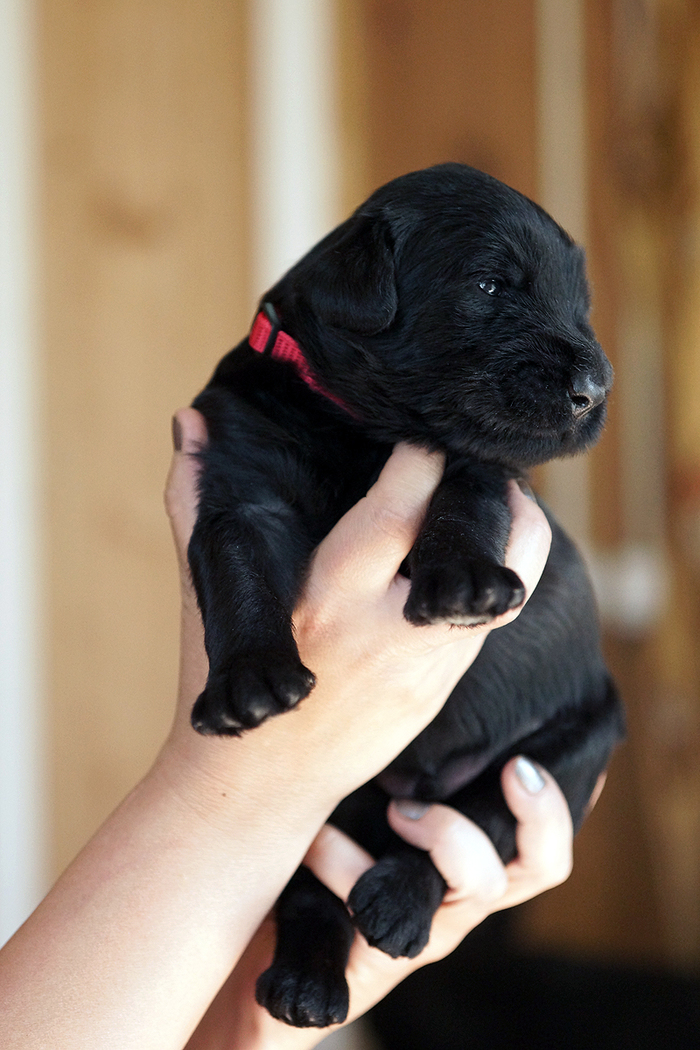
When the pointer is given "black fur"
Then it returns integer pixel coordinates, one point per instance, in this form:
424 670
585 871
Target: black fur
451 312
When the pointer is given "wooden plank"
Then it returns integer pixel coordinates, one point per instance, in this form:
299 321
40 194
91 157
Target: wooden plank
451 81
145 241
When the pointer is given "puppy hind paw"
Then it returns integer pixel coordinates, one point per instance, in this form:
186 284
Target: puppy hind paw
247 693
470 594
303 1000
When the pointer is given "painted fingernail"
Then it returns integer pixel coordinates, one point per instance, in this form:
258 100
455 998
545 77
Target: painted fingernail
411 808
177 434
529 776
526 489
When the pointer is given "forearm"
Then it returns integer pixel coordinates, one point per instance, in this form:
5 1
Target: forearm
137 936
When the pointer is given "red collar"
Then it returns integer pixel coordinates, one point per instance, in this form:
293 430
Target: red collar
266 336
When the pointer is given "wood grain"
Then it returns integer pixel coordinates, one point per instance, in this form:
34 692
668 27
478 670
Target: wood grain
144 233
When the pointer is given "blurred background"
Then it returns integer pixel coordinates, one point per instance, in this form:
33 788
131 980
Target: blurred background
161 163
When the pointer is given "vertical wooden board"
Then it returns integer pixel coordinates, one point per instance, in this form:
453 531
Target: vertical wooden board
452 81
144 235
603 257
353 51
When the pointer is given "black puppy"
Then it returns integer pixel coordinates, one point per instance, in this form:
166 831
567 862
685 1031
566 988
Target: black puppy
451 312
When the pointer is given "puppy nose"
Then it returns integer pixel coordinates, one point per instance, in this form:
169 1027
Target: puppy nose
585 394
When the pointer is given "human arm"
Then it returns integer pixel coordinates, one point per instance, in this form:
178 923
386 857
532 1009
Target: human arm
140 932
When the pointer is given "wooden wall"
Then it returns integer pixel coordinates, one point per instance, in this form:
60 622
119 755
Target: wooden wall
144 235
451 81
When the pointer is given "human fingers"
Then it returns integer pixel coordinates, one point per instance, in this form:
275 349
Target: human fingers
478 883
528 544
360 558
189 438
337 860
544 834
462 853
466 859
597 791
367 546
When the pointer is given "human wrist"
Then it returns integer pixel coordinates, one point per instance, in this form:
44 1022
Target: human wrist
244 783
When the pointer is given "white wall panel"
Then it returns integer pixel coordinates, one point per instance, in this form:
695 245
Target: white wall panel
21 827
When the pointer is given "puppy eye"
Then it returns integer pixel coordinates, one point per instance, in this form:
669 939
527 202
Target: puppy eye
490 286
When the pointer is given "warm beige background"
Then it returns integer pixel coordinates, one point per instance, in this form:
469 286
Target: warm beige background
145 240
144 272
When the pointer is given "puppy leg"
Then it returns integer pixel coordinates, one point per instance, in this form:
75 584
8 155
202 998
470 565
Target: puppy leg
246 564
305 985
393 903
457 570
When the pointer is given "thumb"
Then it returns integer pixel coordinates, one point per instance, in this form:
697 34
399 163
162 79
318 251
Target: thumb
181 496
366 547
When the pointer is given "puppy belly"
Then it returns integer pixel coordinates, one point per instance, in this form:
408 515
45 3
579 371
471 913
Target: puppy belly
427 786
452 774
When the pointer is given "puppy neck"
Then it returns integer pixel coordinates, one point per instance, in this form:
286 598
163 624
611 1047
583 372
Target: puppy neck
267 338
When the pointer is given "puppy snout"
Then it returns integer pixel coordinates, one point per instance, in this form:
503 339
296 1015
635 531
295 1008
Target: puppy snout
585 393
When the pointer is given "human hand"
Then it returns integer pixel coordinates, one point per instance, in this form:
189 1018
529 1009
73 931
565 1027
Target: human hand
380 680
183 872
479 884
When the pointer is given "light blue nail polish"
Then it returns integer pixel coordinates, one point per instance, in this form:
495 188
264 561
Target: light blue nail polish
529 776
411 808
526 489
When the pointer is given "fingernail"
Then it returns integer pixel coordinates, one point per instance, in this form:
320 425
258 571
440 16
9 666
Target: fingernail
529 776
526 489
177 434
411 808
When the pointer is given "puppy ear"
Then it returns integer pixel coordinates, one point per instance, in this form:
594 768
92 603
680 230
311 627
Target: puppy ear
354 285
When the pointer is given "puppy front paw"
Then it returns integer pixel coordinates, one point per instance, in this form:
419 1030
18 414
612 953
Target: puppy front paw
393 903
301 999
469 593
250 689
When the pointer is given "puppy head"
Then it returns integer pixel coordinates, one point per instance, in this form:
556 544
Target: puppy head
452 310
